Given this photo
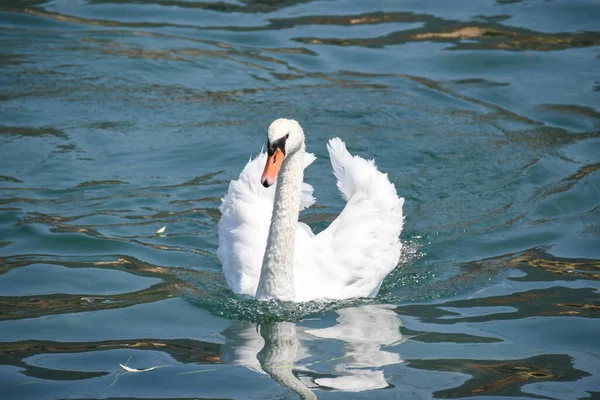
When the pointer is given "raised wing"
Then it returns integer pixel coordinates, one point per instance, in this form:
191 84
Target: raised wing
361 246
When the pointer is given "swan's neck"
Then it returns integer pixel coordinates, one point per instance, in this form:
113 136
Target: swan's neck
277 273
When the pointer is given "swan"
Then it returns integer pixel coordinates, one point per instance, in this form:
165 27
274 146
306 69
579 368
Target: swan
265 252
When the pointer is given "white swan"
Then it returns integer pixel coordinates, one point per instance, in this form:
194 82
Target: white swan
265 252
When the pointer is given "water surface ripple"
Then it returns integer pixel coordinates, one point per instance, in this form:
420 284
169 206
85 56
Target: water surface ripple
120 117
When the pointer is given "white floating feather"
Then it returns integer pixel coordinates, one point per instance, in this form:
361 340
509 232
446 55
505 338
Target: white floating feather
128 369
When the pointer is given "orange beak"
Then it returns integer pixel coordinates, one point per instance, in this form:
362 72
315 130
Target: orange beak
274 161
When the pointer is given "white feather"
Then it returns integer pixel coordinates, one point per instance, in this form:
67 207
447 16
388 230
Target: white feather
128 369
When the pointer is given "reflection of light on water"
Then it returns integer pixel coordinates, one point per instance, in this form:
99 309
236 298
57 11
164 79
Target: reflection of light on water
243 342
274 348
364 331
410 250
278 355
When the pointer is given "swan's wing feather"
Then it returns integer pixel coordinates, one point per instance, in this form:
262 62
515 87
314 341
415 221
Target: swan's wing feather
341 159
361 246
306 194
244 225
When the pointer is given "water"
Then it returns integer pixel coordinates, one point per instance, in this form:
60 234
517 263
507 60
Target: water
120 117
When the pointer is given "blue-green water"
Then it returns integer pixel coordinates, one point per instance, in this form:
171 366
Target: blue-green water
120 117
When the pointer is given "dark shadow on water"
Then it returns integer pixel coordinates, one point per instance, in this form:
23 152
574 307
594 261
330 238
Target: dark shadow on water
246 6
555 301
32 131
506 378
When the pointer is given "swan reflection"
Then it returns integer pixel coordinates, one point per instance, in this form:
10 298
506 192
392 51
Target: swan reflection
274 349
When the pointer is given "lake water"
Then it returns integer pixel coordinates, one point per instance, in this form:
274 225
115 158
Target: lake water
119 117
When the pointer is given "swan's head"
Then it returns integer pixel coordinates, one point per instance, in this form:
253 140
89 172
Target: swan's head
284 137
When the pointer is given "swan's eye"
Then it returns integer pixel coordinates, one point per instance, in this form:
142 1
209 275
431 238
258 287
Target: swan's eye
287 136
278 144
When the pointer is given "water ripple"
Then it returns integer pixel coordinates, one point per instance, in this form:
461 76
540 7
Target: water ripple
121 117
